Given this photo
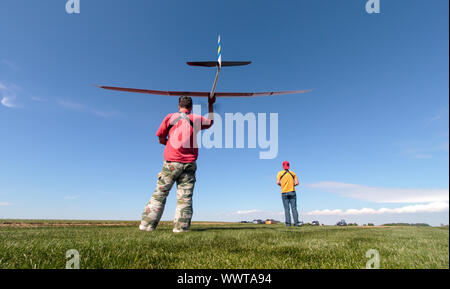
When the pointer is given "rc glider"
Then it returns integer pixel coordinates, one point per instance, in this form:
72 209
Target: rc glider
212 94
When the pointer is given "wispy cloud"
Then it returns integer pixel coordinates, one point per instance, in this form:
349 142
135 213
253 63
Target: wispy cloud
71 105
8 95
71 197
441 114
434 145
14 96
382 195
104 114
436 117
75 106
435 207
39 99
11 65
443 147
426 152
5 204
422 156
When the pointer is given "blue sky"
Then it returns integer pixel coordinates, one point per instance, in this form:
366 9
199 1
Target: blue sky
373 134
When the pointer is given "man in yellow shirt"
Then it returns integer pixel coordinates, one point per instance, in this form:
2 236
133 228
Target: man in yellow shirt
288 180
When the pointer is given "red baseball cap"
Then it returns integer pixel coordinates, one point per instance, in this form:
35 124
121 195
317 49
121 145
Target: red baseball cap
286 165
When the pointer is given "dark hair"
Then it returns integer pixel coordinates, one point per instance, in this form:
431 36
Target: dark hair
185 102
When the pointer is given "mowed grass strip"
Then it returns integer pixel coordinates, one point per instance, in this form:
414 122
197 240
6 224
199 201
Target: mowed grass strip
224 246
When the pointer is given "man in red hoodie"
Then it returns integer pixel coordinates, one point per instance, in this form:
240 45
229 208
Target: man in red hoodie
178 132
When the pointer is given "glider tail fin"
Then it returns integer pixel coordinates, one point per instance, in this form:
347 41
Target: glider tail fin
219 63
219 52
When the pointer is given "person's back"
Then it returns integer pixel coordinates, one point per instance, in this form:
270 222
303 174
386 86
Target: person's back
181 128
178 132
287 180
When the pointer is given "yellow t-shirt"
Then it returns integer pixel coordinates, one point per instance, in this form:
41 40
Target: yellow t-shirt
287 182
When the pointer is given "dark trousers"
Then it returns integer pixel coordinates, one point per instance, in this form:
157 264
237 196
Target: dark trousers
290 203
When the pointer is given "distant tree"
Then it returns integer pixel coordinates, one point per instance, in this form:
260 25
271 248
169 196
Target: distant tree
370 224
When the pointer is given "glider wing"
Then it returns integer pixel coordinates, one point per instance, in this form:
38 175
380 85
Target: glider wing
157 92
251 94
203 93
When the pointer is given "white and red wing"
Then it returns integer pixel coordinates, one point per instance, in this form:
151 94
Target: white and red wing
203 93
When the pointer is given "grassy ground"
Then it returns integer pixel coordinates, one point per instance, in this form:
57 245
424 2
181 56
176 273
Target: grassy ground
43 244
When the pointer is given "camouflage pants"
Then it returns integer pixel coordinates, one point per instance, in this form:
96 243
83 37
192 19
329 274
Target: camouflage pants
184 175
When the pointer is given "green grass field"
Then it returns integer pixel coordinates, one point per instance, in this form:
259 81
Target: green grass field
43 244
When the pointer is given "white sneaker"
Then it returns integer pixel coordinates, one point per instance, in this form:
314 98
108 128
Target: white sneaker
146 228
179 231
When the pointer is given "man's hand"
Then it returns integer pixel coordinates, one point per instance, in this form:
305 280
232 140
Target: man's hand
211 101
